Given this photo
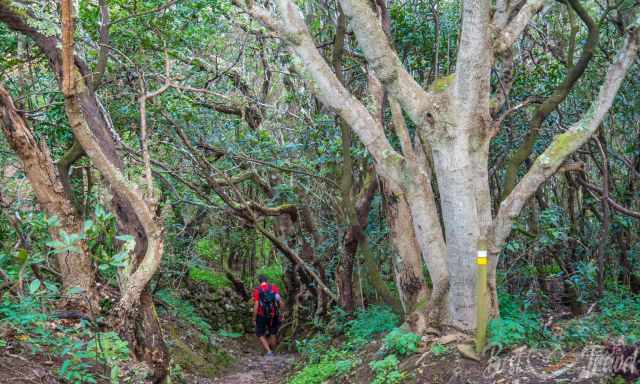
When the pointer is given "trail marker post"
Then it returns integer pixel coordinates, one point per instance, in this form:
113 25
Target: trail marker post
482 298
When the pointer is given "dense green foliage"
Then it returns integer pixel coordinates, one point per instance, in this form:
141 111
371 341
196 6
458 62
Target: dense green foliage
77 349
520 324
401 342
248 176
215 280
386 371
323 360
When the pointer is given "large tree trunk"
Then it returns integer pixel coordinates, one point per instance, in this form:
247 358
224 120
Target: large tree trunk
454 117
135 211
132 312
407 265
90 121
75 267
344 271
456 183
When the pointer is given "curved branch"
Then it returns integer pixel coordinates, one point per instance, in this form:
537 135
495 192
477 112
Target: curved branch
565 144
328 88
385 62
284 209
296 259
553 101
511 31
614 204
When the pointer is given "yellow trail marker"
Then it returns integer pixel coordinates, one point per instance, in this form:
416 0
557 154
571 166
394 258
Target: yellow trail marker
482 297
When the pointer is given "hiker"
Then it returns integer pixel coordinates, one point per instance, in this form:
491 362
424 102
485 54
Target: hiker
267 313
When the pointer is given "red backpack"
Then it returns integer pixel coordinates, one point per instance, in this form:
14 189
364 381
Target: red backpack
267 300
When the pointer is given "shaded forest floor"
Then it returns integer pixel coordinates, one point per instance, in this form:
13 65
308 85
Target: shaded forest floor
520 366
252 367
38 347
249 366
242 363
364 347
19 369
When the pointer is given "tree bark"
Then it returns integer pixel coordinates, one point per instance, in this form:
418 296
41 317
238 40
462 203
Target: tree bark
454 118
606 214
407 264
92 127
75 267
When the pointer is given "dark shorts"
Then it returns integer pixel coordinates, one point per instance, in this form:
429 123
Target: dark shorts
267 327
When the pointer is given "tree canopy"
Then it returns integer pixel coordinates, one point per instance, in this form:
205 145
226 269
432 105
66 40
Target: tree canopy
450 165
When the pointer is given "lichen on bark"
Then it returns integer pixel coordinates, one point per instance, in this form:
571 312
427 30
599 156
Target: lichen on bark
560 147
441 84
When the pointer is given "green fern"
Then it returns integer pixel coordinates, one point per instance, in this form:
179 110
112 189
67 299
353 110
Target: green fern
402 342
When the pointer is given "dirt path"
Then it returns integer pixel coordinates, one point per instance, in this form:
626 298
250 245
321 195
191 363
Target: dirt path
258 370
16 369
252 367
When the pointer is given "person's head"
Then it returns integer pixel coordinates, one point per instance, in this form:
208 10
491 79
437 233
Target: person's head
262 279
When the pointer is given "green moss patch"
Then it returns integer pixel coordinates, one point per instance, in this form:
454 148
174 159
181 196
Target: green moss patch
216 280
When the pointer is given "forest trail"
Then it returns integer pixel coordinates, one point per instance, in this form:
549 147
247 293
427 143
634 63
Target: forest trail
251 366
257 369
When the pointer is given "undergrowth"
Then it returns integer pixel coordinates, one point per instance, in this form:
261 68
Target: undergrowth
614 316
333 363
184 310
356 333
386 371
373 321
85 355
402 342
215 280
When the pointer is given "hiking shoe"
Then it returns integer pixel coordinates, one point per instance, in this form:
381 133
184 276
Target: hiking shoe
269 354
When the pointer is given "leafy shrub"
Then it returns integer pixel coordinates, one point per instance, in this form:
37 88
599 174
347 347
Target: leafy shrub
401 341
584 281
517 325
31 325
76 371
618 316
386 371
315 373
23 313
216 280
314 348
107 347
438 350
332 364
552 229
372 321
344 366
506 332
